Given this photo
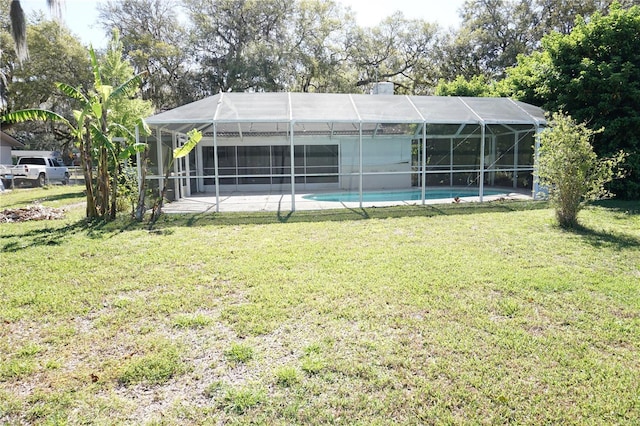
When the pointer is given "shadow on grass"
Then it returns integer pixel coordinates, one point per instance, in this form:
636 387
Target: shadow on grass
345 214
52 235
55 236
603 238
68 196
631 208
39 198
600 239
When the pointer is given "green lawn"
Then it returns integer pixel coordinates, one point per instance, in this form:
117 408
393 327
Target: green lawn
453 314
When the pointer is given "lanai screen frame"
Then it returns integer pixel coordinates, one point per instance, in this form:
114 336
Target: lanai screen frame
360 111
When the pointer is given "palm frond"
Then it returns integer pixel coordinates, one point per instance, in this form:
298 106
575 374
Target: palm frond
99 136
194 137
143 127
132 150
72 92
119 129
33 114
19 31
97 77
129 85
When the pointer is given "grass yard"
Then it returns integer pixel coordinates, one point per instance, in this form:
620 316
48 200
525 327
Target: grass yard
450 314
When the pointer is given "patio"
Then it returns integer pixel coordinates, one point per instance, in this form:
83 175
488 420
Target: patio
242 202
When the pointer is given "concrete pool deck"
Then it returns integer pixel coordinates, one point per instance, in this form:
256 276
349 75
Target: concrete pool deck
243 202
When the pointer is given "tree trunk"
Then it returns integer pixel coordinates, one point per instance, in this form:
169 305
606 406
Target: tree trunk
142 186
157 206
114 192
103 183
103 172
87 171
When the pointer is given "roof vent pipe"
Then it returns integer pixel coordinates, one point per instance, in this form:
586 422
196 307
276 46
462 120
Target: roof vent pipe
382 88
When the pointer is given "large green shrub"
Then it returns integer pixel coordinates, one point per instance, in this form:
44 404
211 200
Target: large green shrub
570 170
593 73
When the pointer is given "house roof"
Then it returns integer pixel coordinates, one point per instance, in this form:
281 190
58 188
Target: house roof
5 139
340 111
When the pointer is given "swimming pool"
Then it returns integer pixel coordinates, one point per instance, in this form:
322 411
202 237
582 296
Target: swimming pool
412 195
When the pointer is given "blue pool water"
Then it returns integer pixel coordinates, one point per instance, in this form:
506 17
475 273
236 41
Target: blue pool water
430 194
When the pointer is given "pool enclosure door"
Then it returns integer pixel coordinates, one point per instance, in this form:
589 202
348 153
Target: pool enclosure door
182 171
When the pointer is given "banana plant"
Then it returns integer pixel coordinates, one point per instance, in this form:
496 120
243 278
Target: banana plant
94 133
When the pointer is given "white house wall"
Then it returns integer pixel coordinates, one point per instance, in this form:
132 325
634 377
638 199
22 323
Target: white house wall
383 157
5 154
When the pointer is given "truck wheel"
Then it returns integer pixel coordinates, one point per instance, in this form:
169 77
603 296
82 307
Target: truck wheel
65 181
42 180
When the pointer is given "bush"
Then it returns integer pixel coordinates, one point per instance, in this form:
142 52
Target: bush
570 170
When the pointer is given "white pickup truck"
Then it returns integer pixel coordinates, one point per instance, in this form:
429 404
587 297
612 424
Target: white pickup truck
36 170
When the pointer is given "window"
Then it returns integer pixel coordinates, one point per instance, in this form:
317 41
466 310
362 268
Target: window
254 160
255 165
281 164
321 163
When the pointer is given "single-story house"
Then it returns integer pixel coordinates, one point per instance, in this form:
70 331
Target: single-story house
353 143
7 143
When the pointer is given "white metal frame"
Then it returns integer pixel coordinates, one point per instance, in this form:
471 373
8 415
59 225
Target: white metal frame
424 122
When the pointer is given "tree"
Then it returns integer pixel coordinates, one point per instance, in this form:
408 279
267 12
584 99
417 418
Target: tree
239 43
127 112
397 50
477 86
315 52
561 15
493 34
570 170
525 81
156 42
96 130
593 73
456 56
55 56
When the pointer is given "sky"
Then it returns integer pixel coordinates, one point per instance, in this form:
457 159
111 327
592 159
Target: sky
371 12
81 15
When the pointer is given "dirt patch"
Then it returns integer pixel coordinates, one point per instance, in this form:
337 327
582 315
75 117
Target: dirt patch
35 212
